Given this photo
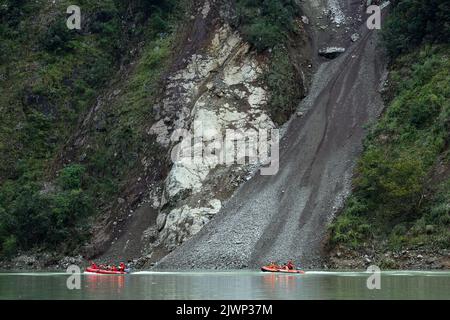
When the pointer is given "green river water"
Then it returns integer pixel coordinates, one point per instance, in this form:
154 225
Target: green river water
227 285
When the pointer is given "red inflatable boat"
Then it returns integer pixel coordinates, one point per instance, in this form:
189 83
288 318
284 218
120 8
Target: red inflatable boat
103 271
280 269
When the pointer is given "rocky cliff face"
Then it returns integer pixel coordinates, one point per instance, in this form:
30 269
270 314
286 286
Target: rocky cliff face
216 84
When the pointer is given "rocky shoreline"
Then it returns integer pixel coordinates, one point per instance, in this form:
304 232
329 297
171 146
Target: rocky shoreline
338 259
41 262
404 259
45 261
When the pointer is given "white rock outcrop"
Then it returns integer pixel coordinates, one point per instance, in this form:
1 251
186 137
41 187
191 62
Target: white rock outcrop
184 222
221 90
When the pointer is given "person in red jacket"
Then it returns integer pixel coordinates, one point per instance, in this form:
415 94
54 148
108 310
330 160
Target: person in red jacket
290 265
122 267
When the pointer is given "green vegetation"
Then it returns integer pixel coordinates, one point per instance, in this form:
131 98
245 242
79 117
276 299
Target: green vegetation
31 215
283 82
121 138
266 23
49 77
414 22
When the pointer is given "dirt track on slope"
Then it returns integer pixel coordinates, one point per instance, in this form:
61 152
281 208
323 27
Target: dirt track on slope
284 216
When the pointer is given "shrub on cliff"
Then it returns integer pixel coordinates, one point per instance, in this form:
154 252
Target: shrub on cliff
266 23
414 22
32 216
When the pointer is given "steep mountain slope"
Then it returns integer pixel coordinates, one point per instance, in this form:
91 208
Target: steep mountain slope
89 115
284 216
90 122
57 171
221 81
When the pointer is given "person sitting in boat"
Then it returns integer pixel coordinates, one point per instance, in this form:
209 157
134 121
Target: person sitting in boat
290 265
122 267
93 265
113 268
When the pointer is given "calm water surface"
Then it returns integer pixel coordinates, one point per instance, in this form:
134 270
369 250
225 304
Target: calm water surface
227 285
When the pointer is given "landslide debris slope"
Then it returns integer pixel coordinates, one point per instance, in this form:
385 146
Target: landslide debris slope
398 215
284 216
